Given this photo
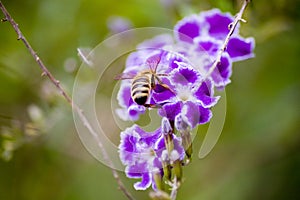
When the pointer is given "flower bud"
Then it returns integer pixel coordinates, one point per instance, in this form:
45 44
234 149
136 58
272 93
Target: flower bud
166 126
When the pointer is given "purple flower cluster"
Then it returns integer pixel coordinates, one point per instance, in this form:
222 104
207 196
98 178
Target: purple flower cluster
184 66
144 153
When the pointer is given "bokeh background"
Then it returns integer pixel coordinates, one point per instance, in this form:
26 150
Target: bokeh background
257 156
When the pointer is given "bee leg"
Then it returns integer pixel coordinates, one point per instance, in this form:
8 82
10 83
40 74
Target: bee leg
162 74
164 85
152 105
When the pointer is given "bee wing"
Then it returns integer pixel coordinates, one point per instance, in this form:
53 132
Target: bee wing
122 76
153 61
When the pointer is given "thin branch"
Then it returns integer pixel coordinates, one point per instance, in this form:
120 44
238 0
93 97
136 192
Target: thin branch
175 187
83 118
231 27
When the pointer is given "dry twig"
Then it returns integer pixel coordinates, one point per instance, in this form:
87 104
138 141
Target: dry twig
231 27
83 118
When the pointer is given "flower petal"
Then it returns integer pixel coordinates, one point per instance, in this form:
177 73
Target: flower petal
161 94
178 147
139 171
175 58
118 24
187 29
160 146
205 115
208 44
144 183
136 144
134 111
222 73
150 138
191 113
195 114
218 23
124 96
204 94
170 110
240 49
184 76
127 147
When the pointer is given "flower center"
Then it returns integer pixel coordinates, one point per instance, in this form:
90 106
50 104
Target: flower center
184 93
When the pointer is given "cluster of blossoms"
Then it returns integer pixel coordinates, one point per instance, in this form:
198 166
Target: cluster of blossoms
185 61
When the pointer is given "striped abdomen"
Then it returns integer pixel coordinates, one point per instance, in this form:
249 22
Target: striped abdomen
140 88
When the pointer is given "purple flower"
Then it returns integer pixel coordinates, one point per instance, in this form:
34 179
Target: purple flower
176 154
198 39
184 92
143 153
117 24
189 96
207 31
137 153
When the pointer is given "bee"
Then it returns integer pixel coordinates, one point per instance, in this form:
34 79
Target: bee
144 81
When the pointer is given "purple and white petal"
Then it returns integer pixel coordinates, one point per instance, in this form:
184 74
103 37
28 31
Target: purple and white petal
159 146
178 147
170 110
124 95
240 49
218 23
136 170
130 173
136 144
157 165
222 73
190 113
134 111
161 94
181 123
174 55
188 28
205 115
208 44
205 94
118 24
150 138
144 183
166 127
184 76
127 147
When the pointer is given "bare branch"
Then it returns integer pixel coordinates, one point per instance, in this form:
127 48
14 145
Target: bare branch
83 118
231 27
175 187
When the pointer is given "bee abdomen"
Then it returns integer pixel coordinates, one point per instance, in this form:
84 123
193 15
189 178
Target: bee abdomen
140 90
140 99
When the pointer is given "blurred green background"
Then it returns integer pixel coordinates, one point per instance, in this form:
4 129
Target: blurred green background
257 156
